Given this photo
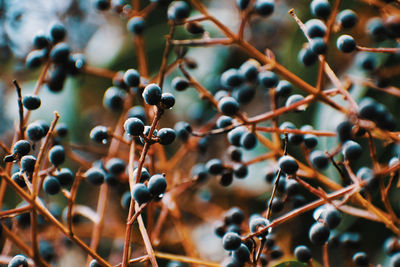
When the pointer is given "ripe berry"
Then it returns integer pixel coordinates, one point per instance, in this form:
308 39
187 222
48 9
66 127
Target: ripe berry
240 171
132 78
57 79
31 102
61 130
226 178
94 263
59 53
332 217
35 131
51 185
234 215
283 89
28 163
242 4
152 94
351 150
231 78
344 131
249 70
178 10
199 172
267 79
248 140
315 28
395 260
114 98
46 250
57 155
347 18
57 32
318 46
256 222
367 61
244 94
215 166
167 100
34 59
231 241
288 165
157 185
293 99
303 254
102 5
310 141
275 252
376 28
126 200
115 166
166 136
319 160
235 154
21 147
99 134
264 7
41 40
141 194
277 205
183 130
228 106
361 259
346 43
65 177
144 174
134 126
307 56
179 84
223 121
136 25
95 175
242 254
319 234
235 135
194 28
137 112
320 8
18 261
17 177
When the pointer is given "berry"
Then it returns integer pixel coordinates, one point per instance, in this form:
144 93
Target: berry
228 106
223 121
277 205
114 98
126 200
41 40
248 140
141 194
318 46
21 147
61 130
99 134
95 175
57 155
18 261
215 166
344 131
256 222
267 79
303 254
231 241
179 84
235 135
178 10
19 179
244 94
231 78
51 185
166 136
319 234
346 43
183 130
132 78
65 177
376 28
332 217
94 263
134 126
242 4
199 172
226 178
35 131
361 259
152 94
283 89
101 5
351 150
395 260
240 171
59 53
367 61
137 112
392 24
264 7
157 185
235 154
293 99
144 174
167 100
319 160
242 254
320 8
347 18
34 59
249 70
46 250
310 141
28 163
194 28
57 79
275 252
57 32
288 165
136 25
234 215
116 166
315 28
307 57
31 102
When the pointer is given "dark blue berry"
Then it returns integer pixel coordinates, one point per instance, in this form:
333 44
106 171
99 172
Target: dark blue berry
244 94
223 121
137 112
95 175
178 10
293 99
307 56
183 130
152 94
94 263
102 5
267 79
240 171
114 98
277 205
126 200
34 131
231 241
234 215
167 100
34 59
315 28
41 40
46 250
59 53
351 150
318 46
242 4
249 70
242 254
18 261
166 136
264 7
132 78
367 61
141 194
21 147
157 185
136 25
310 141
228 105
361 259
99 134
31 102
215 166
235 154
57 155
134 126
332 217
376 28
235 135
283 89
116 166
320 8
346 43
319 160
248 140
256 222
302 253
144 174
28 163
288 165
347 18
57 79
231 78
319 234
65 177
51 185
199 172
61 130
57 32
179 84
344 131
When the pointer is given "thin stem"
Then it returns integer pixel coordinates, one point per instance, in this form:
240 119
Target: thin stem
378 49
20 109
